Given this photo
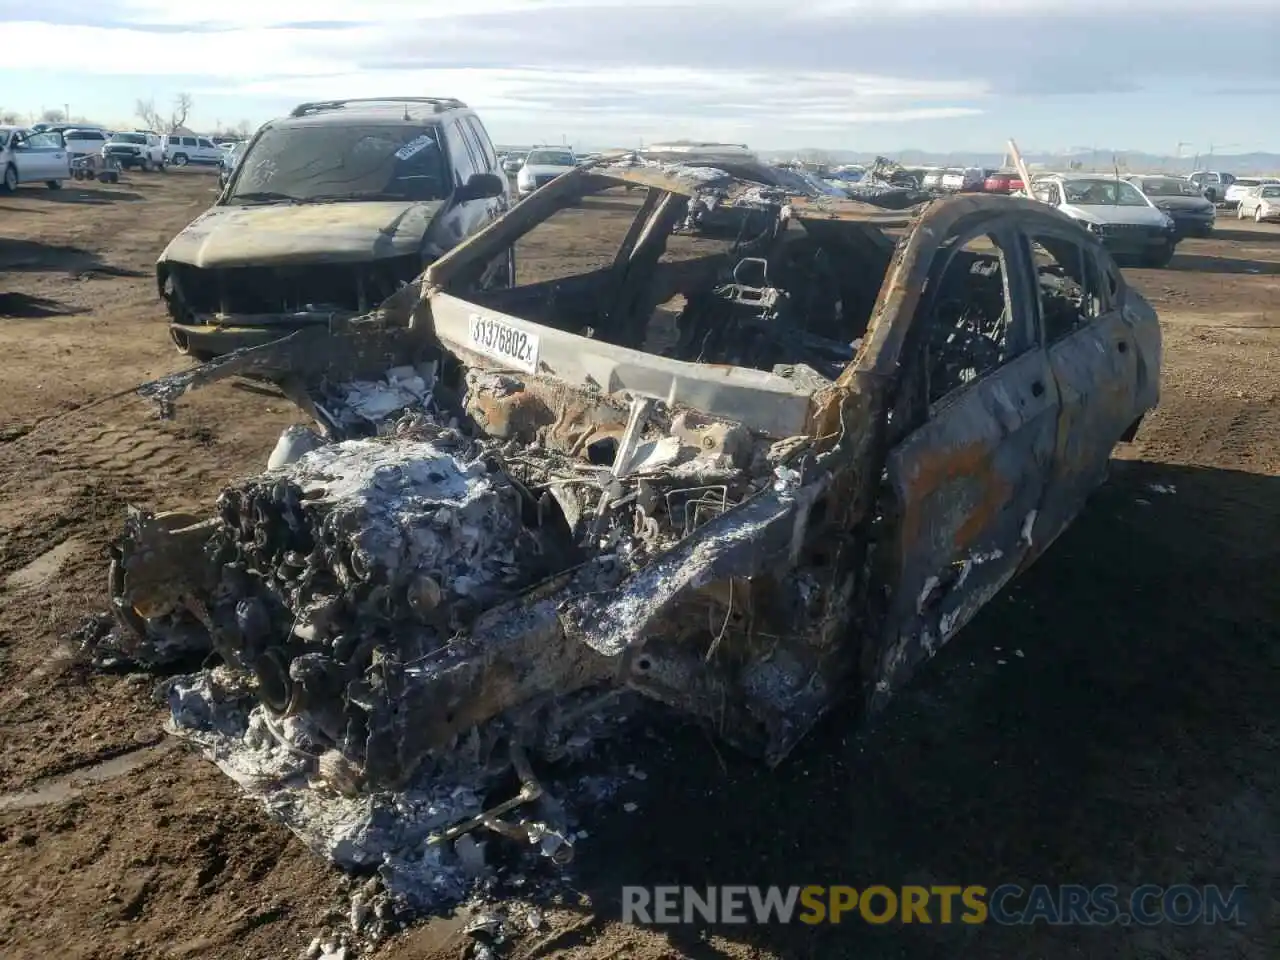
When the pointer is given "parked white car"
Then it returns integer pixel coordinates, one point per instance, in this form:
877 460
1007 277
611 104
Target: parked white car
543 165
1261 203
968 178
27 157
180 151
932 180
84 141
1116 212
1241 186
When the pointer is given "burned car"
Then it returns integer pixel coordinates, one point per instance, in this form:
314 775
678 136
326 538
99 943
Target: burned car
745 479
326 213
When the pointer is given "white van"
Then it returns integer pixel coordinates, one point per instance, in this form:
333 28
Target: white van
182 150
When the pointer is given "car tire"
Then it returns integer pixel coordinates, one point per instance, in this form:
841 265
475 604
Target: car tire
145 165
53 184
1257 214
1240 212
179 160
10 181
1159 258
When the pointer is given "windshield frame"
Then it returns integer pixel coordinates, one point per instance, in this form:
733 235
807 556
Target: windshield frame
249 188
1118 185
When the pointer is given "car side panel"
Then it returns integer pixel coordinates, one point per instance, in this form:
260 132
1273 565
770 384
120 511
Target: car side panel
39 163
965 487
1096 369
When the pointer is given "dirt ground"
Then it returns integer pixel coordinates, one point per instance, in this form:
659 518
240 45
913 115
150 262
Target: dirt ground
1131 739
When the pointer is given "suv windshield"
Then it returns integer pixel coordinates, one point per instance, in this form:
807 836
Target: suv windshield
550 158
128 138
332 161
1170 187
1269 192
1099 192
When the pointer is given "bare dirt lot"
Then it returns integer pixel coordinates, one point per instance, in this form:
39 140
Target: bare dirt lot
1112 718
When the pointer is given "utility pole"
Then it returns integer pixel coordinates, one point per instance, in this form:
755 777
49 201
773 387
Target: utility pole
66 113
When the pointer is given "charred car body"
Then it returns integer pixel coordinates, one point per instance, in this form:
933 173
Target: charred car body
327 213
840 448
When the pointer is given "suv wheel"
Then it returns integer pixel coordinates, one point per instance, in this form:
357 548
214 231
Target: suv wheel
1257 214
10 182
179 159
1159 258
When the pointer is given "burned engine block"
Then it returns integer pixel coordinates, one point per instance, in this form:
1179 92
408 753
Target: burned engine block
357 553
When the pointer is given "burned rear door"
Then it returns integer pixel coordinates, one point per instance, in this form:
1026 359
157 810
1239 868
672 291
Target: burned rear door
1094 364
963 484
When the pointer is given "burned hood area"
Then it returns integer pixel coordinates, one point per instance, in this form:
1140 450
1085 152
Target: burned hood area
522 510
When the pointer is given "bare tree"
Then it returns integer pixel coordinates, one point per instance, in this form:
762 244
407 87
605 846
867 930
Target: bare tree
181 108
146 112
10 118
53 116
242 129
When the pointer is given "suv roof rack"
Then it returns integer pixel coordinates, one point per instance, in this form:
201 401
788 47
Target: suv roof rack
439 103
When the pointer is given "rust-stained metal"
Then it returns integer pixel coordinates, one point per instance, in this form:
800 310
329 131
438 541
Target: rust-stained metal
802 498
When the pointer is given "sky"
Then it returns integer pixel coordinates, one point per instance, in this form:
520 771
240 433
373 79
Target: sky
1162 76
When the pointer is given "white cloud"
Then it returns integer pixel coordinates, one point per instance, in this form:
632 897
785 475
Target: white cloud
768 70
293 63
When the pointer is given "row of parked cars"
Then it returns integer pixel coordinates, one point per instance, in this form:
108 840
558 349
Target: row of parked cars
51 153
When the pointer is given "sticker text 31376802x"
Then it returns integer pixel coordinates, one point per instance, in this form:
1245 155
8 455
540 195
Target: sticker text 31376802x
502 341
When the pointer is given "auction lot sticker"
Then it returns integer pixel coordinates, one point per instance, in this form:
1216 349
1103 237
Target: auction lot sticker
504 342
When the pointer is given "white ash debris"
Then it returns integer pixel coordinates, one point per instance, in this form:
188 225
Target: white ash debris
377 404
280 763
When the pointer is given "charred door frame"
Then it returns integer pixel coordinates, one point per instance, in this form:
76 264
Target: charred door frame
1095 369
1004 422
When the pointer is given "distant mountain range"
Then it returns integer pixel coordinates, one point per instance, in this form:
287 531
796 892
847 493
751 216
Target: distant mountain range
1133 161
1129 161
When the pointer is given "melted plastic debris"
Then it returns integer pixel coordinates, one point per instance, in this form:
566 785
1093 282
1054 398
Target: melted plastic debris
380 402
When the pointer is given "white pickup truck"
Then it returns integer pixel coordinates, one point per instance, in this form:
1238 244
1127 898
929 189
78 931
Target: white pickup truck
27 157
141 148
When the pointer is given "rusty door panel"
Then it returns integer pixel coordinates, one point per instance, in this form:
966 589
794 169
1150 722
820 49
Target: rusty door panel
1096 371
966 487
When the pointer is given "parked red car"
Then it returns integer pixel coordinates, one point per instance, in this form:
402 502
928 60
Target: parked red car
1002 182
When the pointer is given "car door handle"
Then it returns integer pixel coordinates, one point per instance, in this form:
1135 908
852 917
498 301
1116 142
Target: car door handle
1037 389
1122 346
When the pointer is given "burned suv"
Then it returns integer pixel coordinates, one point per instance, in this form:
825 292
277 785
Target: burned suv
328 212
